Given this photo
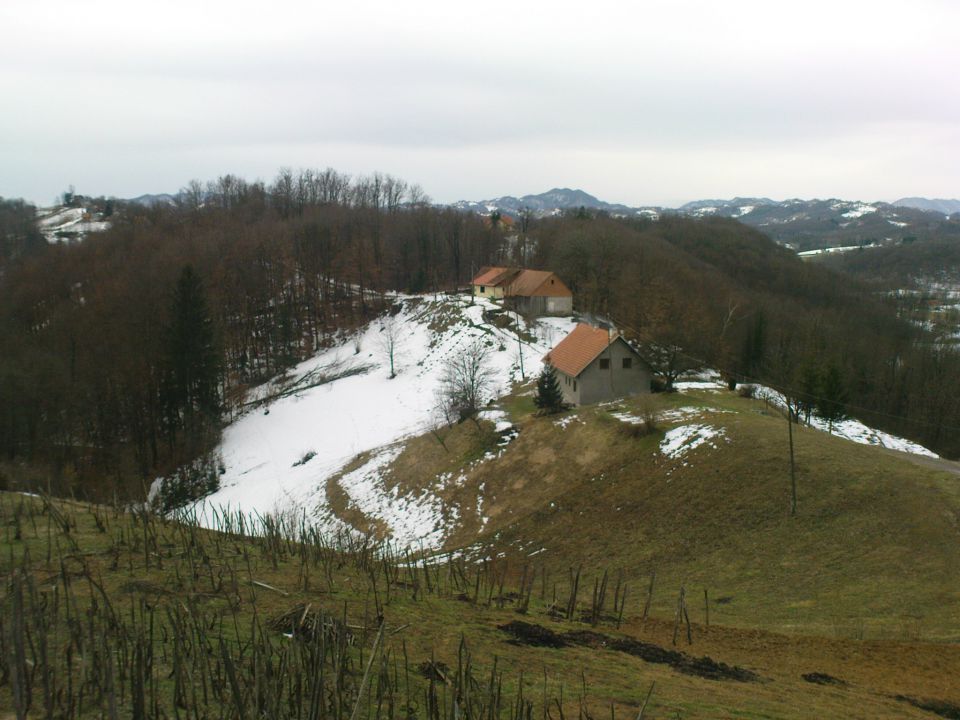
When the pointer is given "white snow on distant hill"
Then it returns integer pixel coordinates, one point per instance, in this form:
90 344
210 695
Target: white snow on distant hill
831 250
266 452
859 211
58 223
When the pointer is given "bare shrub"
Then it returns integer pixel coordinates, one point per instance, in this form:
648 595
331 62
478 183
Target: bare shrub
747 391
649 421
650 415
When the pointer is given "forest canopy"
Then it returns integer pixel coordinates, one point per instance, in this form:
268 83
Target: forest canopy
248 278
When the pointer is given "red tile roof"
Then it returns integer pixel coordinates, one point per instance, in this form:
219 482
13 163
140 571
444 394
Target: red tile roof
578 349
493 276
536 283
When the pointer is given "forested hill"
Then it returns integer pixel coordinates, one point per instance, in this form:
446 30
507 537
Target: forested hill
19 233
714 291
124 354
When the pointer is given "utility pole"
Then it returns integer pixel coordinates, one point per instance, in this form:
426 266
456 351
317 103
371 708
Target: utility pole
523 375
793 469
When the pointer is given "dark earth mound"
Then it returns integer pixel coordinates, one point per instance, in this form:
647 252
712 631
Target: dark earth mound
819 678
525 633
937 707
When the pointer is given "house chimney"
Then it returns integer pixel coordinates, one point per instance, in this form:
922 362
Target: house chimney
612 333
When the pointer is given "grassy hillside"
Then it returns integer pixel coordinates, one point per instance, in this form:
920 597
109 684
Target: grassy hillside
869 554
111 614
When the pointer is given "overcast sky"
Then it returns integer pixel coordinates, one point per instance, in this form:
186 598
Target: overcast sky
642 102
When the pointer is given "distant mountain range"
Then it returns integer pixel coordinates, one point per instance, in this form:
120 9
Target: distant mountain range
800 224
552 202
558 200
947 207
158 199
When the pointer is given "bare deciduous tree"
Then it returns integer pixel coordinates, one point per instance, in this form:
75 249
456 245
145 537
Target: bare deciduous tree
390 341
466 382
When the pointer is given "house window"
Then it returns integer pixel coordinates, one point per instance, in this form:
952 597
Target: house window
482 289
604 363
627 363
574 385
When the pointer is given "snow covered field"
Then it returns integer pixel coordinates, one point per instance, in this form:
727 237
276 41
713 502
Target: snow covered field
265 451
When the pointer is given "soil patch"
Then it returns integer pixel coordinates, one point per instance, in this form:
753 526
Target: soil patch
937 707
525 633
704 667
818 678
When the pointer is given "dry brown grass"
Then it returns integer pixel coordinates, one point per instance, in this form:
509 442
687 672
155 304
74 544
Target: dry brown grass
432 626
868 556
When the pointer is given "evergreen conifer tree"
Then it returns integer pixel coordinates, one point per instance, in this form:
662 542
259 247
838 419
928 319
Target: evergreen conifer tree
194 358
549 396
832 404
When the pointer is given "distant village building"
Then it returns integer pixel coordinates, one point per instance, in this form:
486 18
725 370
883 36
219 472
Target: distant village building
529 292
491 281
594 365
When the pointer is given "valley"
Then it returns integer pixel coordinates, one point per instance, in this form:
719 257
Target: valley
519 361
316 504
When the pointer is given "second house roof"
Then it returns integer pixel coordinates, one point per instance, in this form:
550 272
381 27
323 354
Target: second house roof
578 349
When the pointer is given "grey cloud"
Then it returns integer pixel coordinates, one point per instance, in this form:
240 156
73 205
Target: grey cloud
443 96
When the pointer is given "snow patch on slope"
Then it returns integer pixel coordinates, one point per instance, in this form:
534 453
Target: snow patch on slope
851 429
681 440
497 417
412 520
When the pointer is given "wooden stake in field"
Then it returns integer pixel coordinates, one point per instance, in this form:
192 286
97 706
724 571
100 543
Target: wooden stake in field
574 587
682 616
646 607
